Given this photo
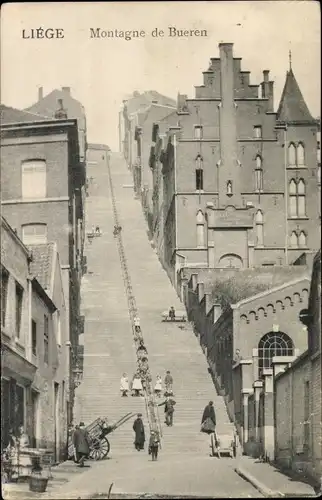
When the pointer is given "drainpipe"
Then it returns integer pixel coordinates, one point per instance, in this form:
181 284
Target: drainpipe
175 206
29 330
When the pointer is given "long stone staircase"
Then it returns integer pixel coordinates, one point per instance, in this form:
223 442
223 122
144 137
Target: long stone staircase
169 346
108 341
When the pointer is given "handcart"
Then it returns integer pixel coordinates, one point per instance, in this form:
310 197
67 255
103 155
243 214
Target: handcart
97 432
224 444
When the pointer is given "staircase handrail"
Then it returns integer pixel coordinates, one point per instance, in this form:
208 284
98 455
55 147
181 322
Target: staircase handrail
150 408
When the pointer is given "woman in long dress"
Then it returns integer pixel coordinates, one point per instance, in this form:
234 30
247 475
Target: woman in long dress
124 385
158 386
137 388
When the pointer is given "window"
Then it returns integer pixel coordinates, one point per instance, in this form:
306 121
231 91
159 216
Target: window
33 234
19 299
302 239
258 174
46 339
4 294
198 132
199 173
291 155
297 201
58 327
300 155
319 175
318 152
258 132
301 211
294 240
273 344
34 179
259 228
229 188
34 337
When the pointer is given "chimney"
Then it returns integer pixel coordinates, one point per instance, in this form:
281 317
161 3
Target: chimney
266 75
40 93
66 90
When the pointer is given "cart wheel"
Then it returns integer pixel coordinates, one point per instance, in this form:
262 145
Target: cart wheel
99 448
104 447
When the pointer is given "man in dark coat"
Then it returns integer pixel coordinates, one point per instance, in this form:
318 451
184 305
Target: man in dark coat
81 444
209 413
138 428
168 404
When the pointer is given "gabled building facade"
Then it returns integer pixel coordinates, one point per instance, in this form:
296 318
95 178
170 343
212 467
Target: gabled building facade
240 180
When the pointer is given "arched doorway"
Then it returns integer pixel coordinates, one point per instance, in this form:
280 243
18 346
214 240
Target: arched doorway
273 344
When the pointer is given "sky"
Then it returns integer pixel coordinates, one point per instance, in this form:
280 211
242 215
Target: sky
102 72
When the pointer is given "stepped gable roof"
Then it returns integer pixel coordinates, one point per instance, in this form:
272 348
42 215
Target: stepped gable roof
48 105
292 107
14 115
41 265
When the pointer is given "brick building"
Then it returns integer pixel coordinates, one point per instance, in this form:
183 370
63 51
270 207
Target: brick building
138 115
298 440
35 359
43 195
240 180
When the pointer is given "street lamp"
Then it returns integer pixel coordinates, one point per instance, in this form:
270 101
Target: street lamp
283 126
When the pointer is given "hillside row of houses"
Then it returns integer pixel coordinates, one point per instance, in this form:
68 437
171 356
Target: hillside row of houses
43 193
231 193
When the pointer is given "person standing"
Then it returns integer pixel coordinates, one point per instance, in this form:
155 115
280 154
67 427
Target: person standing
137 388
168 382
124 385
154 445
208 421
81 444
138 428
168 404
172 313
137 324
158 386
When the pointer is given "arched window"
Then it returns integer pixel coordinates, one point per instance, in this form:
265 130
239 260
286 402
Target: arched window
231 260
301 210
300 155
297 200
33 234
199 173
33 183
273 344
302 239
259 228
229 188
258 174
294 240
291 154
200 229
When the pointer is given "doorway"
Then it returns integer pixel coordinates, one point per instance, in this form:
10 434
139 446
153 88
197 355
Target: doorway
34 437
